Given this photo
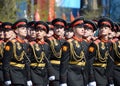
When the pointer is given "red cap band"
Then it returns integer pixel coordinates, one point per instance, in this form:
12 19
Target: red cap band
42 26
20 23
60 23
106 23
89 25
78 22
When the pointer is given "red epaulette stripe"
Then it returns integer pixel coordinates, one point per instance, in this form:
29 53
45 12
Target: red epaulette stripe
97 41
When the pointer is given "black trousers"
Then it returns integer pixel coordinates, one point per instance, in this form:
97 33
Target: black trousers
1 83
54 83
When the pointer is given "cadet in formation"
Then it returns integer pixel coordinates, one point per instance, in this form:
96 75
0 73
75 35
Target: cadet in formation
99 56
15 58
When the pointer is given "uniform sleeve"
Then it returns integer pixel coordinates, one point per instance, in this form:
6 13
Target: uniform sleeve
8 54
48 64
27 61
64 62
110 65
27 68
91 56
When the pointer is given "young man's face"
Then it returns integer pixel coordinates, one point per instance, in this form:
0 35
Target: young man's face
79 31
9 34
69 34
59 31
33 33
40 34
104 31
50 33
22 31
88 32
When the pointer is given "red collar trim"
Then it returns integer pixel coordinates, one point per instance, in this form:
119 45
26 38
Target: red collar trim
78 39
20 40
103 40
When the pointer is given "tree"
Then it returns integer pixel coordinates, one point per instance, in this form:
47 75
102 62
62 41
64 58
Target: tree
8 10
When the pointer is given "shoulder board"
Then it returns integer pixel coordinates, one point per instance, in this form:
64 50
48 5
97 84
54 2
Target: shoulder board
97 41
13 40
46 43
116 39
51 38
113 41
69 40
32 43
1 41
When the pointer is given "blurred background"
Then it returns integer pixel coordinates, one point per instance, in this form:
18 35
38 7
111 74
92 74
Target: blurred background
46 10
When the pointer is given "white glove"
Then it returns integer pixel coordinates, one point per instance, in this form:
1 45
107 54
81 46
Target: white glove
92 83
64 84
8 83
111 84
29 83
51 78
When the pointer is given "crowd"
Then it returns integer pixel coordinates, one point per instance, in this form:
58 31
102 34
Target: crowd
59 53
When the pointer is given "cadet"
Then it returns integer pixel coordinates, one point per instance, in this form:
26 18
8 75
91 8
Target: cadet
51 30
50 35
90 27
112 34
9 33
31 31
55 45
116 69
99 54
15 57
41 68
1 53
68 32
73 60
